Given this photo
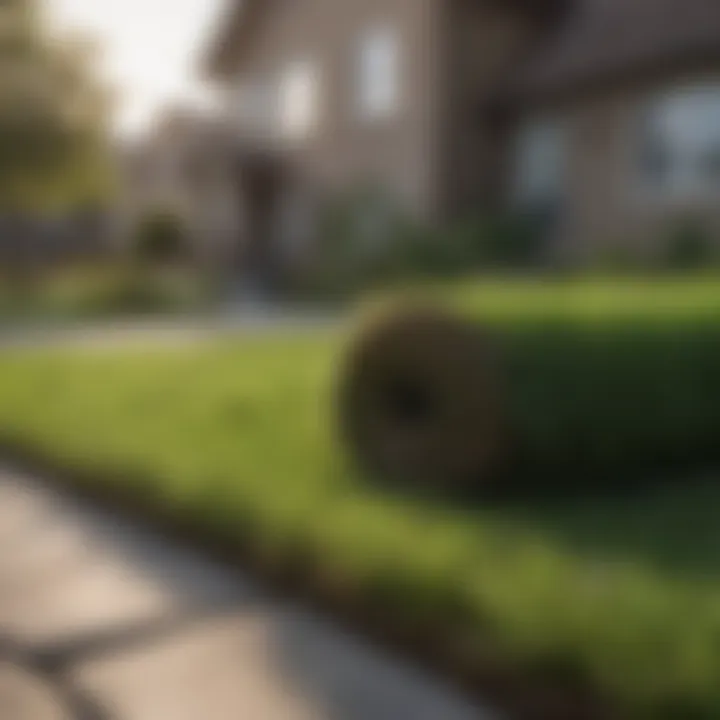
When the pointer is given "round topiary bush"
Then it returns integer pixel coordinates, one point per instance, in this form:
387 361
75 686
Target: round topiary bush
419 401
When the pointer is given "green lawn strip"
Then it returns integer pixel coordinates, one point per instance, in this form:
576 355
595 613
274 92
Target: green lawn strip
238 437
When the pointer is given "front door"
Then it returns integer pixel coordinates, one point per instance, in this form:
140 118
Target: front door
261 187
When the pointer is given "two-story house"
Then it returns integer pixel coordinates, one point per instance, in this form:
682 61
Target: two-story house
602 114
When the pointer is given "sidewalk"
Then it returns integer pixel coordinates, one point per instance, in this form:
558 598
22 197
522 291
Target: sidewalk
102 620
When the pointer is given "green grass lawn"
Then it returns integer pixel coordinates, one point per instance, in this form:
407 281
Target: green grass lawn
585 300
238 436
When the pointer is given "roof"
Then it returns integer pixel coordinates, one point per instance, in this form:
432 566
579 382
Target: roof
596 39
236 15
238 18
604 39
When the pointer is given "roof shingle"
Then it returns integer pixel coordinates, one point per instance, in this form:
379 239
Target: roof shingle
601 38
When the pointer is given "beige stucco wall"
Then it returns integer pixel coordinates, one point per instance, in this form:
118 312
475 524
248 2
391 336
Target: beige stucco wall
606 203
400 152
185 171
441 153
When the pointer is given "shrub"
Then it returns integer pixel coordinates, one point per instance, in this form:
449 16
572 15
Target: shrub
512 240
359 242
367 240
472 243
617 258
689 245
131 292
450 251
161 237
119 289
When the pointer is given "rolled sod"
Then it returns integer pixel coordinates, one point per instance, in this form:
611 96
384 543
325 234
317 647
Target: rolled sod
420 400
428 397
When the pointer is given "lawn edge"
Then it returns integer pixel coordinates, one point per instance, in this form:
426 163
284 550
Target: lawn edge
511 692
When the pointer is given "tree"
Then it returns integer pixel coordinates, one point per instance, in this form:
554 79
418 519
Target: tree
53 113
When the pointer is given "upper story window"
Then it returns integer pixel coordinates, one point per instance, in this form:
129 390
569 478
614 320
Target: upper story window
540 164
680 143
299 97
256 104
378 68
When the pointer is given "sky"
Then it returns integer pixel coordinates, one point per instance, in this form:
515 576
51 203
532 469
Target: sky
150 50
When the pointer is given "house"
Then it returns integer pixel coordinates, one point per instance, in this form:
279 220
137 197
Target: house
602 117
177 167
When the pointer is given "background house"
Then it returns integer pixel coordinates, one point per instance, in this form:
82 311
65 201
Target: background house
179 166
601 118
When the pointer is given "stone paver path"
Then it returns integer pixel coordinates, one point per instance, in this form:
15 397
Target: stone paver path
101 619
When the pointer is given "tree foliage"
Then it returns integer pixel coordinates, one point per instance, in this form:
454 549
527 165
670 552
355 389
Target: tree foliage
53 112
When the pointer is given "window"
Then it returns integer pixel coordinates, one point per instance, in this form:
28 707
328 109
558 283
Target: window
378 74
540 164
680 143
257 105
299 99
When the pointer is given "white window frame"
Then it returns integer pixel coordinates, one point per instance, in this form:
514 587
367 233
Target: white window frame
378 68
299 103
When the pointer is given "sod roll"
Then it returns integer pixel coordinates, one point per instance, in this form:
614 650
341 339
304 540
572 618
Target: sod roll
428 398
420 400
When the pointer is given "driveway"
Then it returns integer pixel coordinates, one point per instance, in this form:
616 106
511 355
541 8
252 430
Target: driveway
100 619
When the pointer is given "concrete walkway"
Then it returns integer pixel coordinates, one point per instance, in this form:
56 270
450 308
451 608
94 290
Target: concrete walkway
102 620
